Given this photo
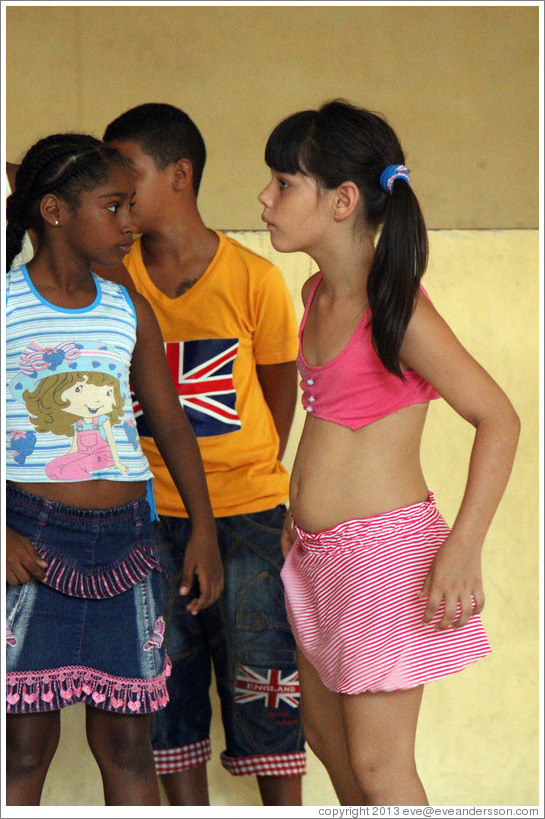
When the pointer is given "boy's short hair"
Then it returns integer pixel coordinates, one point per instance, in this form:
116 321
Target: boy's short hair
164 132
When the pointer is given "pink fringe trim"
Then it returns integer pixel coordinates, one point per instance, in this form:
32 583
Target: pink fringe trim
30 692
103 581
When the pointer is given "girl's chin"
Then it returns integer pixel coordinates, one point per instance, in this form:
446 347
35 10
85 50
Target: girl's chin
282 244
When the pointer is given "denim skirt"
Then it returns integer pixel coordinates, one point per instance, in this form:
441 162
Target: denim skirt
93 630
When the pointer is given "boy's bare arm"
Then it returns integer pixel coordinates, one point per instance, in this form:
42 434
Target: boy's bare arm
279 385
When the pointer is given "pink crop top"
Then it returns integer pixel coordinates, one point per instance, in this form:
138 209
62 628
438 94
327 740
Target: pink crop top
354 389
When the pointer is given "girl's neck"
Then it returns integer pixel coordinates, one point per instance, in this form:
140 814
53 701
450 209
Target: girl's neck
345 268
61 282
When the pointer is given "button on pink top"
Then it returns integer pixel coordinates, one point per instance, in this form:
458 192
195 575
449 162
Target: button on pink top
354 389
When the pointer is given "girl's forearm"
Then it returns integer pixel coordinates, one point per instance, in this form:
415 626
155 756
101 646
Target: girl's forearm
185 465
490 466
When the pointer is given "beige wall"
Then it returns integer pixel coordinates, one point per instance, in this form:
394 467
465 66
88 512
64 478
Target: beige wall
459 84
478 733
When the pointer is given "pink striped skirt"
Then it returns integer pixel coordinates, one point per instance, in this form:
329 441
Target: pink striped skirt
352 602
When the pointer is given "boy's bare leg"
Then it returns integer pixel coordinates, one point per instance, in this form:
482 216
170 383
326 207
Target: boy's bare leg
280 790
189 787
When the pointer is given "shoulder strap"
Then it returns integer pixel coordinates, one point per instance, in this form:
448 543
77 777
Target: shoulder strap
309 301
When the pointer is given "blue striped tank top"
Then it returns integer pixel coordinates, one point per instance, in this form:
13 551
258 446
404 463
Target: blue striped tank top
69 413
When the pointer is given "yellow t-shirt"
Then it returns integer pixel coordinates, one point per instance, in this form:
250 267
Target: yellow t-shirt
239 313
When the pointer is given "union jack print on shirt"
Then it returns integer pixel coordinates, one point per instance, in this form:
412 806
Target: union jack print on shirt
273 687
202 372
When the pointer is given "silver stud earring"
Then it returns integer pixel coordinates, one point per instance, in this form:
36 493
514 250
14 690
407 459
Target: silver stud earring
56 222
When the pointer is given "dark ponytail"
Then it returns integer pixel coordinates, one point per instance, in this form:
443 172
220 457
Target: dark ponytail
340 142
64 164
401 257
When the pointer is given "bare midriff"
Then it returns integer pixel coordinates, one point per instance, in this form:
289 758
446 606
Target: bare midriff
341 474
104 494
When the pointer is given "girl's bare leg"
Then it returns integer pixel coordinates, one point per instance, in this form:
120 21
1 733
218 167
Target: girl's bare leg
323 725
31 742
380 730
121 746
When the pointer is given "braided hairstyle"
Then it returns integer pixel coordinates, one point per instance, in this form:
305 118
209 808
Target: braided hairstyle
64 164
338 143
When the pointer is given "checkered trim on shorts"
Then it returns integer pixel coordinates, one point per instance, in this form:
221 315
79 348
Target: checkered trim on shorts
266 764
172 760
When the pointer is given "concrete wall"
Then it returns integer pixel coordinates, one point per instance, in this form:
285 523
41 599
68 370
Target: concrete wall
458 83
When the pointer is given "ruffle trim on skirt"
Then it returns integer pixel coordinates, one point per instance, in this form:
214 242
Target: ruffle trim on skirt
100 582
30 692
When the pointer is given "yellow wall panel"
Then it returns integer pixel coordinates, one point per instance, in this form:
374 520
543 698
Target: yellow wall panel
477 742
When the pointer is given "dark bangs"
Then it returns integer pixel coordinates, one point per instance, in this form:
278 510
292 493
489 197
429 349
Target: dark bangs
288 144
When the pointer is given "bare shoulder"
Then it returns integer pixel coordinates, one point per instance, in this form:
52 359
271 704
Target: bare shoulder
432 349
144 311
118 274
427 332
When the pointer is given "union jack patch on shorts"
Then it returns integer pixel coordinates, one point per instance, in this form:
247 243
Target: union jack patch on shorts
272 687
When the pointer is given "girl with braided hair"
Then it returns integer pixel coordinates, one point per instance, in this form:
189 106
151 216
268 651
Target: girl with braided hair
381 595
84 620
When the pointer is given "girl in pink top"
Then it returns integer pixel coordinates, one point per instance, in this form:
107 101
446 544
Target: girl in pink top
382 595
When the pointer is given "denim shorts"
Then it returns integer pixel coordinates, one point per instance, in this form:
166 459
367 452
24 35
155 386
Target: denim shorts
246 636
93 630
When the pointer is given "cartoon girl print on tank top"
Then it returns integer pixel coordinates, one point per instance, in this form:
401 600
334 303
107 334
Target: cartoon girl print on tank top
73 392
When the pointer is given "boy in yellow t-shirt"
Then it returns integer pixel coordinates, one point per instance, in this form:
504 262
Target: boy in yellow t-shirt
230 333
